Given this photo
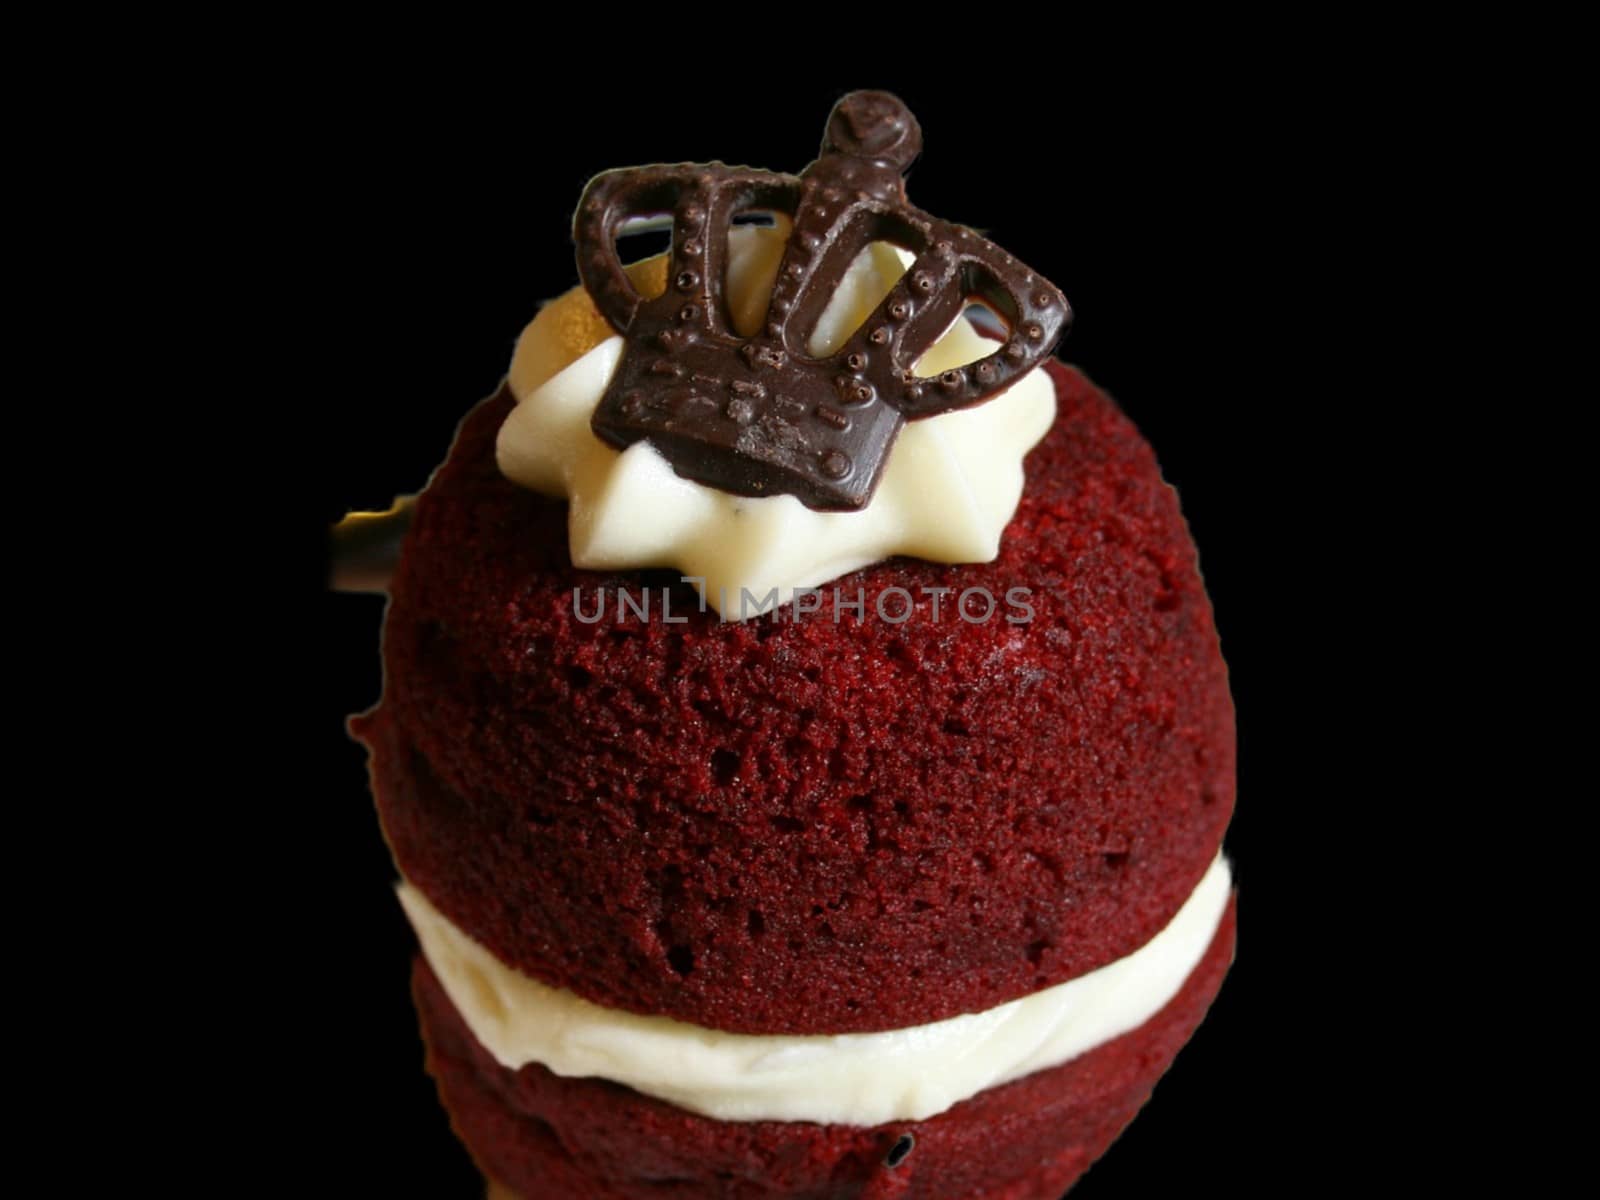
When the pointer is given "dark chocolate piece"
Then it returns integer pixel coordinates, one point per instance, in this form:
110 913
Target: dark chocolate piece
759 416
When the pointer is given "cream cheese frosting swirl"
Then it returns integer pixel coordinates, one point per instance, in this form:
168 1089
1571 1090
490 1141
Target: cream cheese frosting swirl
951 484
852 1079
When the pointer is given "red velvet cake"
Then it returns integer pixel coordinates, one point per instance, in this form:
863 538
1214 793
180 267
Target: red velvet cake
800 829
1027 1140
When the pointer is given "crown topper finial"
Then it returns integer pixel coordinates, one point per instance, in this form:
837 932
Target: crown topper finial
760 416
874 125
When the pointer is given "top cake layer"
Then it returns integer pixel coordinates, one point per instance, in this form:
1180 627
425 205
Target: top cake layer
814 827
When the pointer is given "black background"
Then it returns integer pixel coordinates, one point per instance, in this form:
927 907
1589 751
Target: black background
1189 229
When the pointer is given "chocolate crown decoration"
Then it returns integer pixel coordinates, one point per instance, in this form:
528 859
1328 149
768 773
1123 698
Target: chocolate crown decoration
759 416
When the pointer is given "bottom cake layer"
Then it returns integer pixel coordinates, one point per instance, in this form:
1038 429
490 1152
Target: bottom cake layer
541 1135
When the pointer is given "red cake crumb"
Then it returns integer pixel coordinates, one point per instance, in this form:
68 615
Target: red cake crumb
769 827
542 1135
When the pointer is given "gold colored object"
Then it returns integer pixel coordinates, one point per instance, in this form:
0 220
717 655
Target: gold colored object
364 547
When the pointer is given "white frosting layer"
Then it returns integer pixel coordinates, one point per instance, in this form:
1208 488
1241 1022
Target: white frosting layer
852 1079
951 484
